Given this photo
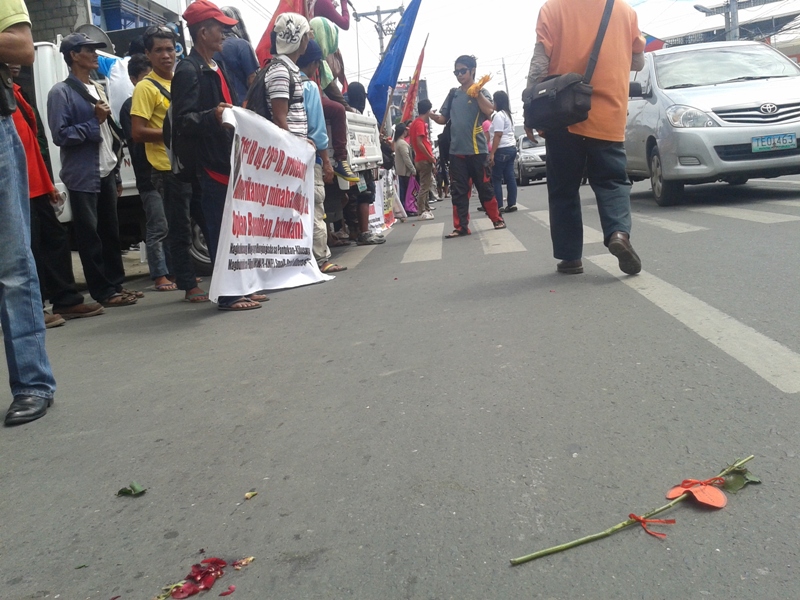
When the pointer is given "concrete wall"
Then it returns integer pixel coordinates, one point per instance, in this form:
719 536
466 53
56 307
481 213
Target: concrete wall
52 17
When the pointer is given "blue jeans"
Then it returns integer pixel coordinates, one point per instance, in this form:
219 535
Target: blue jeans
156 230
504 168
567 157
21 314
177 201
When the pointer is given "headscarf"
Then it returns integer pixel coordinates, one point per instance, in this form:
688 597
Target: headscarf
289 31
327 36
312 54
239 30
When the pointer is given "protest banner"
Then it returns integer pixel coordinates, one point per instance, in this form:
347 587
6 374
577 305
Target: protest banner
268 223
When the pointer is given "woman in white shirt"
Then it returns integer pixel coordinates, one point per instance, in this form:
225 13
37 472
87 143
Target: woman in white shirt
503 152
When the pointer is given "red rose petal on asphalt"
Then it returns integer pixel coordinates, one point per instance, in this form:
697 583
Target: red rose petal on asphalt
197 572
208 581
216 562
186 590
229 591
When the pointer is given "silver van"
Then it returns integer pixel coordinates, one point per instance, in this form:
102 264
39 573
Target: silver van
721 111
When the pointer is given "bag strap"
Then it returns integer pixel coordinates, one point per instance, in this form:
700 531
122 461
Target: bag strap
161 89
84 93
601 33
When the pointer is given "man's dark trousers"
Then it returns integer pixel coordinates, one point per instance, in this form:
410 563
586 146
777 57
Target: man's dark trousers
96 227
567 156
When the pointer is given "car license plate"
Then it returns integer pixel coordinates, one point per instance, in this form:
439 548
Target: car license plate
779 141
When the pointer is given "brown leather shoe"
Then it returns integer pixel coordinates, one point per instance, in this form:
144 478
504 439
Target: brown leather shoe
620 246
570 267
54 320
79 311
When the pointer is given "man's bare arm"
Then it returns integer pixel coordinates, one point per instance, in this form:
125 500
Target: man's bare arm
637 62
16 45
540 65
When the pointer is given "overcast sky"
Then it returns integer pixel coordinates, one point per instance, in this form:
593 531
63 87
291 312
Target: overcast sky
492 31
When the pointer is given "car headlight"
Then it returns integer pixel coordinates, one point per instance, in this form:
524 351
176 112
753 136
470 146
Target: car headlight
528 158
687 116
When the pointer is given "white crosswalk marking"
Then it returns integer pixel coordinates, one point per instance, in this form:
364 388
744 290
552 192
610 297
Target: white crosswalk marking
769 359
590 236
789 203
426 245
521 207
668 224
756 216
352 256
496 241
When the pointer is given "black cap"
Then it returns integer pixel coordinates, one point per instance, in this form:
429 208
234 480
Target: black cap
75 41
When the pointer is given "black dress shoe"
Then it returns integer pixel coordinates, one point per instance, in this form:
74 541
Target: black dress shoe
25 409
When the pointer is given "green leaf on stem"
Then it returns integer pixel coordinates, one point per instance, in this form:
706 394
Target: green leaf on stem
738 478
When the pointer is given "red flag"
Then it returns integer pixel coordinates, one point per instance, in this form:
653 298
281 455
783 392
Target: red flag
263 49
413 87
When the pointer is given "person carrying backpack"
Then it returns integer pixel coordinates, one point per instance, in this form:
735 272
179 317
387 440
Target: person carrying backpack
151 100
201 91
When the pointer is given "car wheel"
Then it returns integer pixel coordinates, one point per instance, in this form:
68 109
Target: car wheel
737 180
666 193
519 177
201 260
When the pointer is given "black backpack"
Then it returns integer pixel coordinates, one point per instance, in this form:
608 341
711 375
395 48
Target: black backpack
256 99
181 149
444 137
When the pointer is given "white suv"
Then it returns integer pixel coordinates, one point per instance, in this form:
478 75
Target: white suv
722 111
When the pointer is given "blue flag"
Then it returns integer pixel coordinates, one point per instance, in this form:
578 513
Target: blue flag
388 71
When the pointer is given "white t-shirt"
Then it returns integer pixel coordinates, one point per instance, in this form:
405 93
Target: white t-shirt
108 160
502 123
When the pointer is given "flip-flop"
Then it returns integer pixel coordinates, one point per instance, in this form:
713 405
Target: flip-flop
339 243
258 297
166 287
119 300
134 293
230 306
499 225
330 267
197 298
456 233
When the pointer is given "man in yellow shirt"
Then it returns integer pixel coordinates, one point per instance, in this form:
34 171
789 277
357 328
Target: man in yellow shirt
151 99
565 35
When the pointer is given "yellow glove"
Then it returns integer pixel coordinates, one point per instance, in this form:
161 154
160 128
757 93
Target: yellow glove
476 87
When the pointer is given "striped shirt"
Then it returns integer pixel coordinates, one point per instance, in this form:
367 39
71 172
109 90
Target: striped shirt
277 83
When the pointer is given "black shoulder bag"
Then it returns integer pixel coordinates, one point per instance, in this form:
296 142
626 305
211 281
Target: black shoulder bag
563 100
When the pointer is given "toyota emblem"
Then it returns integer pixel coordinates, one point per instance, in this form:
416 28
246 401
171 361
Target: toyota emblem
769 108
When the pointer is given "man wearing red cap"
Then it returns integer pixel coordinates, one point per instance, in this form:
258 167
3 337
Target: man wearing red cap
200 92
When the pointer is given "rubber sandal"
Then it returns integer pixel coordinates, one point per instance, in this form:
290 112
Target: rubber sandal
455 233
231 305
118 300
339 244
499 225
258 297
166 287
330 267
134 293
197 298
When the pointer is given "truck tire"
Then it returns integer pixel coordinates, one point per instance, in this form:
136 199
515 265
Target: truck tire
666 193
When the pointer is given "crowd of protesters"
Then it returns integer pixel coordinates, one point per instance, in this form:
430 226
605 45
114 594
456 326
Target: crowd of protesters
291 78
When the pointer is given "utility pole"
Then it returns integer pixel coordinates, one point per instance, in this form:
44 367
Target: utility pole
733 11
381 26
505 80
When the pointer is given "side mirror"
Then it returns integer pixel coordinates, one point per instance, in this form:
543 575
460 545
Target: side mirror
635 90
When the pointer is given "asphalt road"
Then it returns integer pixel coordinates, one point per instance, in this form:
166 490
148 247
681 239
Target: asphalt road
438 409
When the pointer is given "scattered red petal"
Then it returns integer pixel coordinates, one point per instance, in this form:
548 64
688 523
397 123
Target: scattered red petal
208 581
216 562
229 591
186 590
395 278
197 572
243 562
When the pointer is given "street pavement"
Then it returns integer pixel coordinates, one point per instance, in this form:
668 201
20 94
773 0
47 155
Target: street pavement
441 407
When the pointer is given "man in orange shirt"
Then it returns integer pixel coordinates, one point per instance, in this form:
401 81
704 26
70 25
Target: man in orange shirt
565 35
